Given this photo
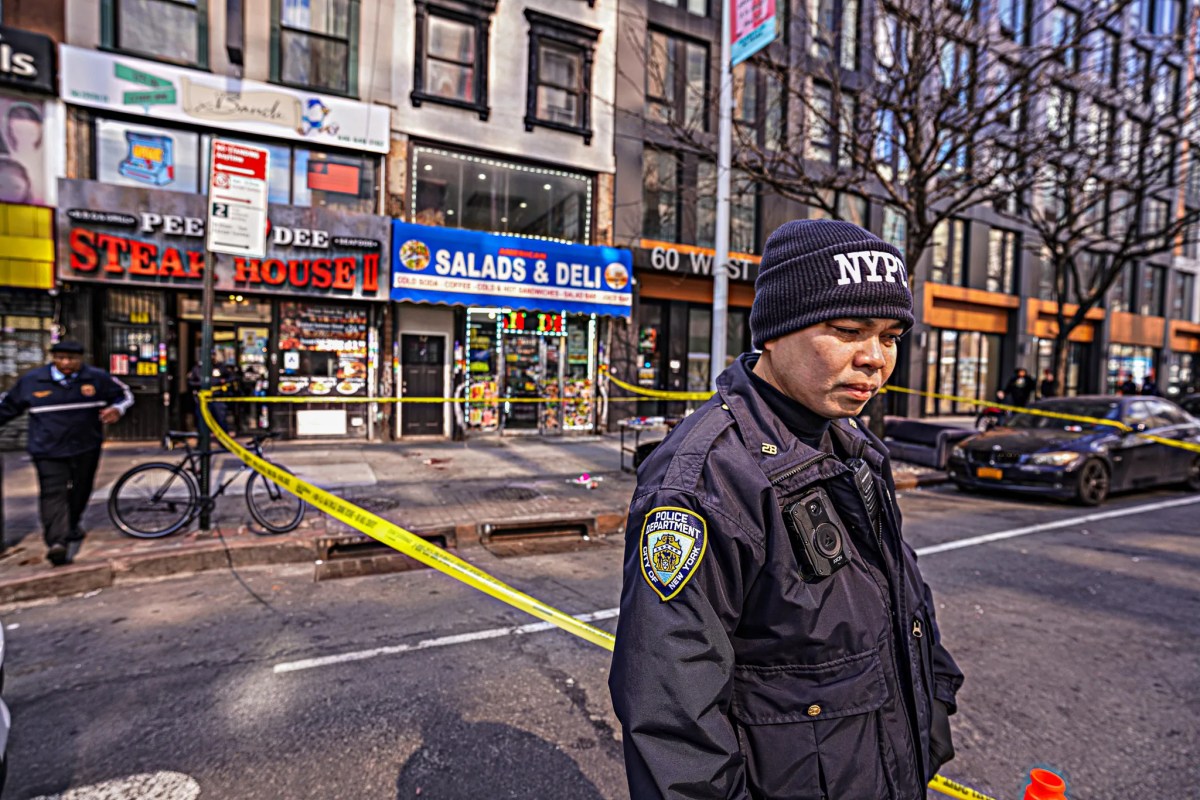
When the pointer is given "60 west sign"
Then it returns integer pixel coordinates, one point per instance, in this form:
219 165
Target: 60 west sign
687 259
309 251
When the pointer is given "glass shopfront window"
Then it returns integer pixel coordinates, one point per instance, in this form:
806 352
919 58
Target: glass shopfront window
322 349
1183 378
485 194
1129 361
963 364
1076 358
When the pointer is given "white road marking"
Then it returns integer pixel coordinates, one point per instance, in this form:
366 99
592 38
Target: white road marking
147 786
609 613
441 641
1049 526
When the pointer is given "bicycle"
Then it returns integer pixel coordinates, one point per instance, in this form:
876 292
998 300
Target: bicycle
157 499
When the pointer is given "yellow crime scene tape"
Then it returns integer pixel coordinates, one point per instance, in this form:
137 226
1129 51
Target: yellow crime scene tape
415 547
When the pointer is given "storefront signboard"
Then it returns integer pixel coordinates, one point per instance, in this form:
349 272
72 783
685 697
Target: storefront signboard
311 252
686 259
453 266
237 199
151 89
26 60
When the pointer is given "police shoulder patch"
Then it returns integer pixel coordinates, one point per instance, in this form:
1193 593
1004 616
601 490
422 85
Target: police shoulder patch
673 542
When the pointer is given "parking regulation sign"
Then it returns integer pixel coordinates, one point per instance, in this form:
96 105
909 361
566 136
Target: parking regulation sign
237 199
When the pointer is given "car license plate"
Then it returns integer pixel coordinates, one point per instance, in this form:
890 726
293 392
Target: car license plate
989 472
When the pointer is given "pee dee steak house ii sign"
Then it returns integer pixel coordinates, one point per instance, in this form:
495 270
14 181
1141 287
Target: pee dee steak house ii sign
311 252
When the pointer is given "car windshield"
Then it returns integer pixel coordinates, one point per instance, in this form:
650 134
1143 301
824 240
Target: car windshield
1096 409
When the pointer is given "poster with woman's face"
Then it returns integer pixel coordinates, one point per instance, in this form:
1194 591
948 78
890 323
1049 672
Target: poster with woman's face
22 152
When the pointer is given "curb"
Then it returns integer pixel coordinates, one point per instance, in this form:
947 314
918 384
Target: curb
911 481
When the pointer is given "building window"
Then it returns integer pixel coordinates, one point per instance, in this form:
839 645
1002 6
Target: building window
559 93
697 7
1165 92
1060 113
1014 19
167 30
1152 294
743 209
1098 136
1010 104
895 228
758 104
166 158
1004 253
949 252
1184 305
1121 296
1064 33
316 43
1137 73
1193 172
893 47
458 190
676 80
1105 56
660 195
452 54
833 31
819 145
1168 17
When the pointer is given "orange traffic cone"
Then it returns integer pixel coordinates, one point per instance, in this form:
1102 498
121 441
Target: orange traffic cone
1045 785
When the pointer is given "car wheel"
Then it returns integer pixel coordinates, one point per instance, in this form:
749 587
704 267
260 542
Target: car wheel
1192 479
1093 483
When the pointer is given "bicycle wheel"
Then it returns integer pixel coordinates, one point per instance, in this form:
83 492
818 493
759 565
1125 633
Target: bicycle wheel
153 500
275 508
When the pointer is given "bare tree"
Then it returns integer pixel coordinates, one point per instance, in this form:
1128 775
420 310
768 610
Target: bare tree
1110 195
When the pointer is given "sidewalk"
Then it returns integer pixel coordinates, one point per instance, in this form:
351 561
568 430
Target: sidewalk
453 492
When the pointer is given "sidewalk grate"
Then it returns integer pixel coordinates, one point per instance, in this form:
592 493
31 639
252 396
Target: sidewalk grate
355 555
510 539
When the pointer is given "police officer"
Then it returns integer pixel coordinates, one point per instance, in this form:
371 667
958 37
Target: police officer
776 639
69 403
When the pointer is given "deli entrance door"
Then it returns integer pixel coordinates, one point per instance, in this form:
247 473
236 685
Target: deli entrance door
422 369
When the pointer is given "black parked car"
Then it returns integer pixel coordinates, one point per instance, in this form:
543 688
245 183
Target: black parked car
1081 461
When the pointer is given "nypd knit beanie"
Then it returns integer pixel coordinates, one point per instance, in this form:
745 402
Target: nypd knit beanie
814 270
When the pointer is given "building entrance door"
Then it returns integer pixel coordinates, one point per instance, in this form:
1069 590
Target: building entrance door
423 375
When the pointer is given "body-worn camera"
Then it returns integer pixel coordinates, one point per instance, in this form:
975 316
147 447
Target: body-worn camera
818 536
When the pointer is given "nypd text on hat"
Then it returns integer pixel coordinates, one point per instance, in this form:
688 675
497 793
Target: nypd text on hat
880 267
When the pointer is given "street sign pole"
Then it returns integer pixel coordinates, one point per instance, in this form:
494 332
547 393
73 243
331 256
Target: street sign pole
720 273
206 343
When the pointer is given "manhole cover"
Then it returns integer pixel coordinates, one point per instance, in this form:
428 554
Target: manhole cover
511 493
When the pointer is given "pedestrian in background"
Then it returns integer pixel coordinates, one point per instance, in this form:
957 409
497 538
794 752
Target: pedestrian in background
226 380
776 639
1127 387
69 403
1149 384
1049 385
1019 388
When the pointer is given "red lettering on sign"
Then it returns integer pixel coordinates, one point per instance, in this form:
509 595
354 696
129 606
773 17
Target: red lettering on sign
83 255
343 273
195 264
113 247
245 271
298 272
370 273
141 258
274 272
171 265
322 273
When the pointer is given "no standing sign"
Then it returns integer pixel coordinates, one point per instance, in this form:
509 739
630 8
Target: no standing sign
237 199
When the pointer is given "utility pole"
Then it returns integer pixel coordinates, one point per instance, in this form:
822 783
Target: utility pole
206 344
720 305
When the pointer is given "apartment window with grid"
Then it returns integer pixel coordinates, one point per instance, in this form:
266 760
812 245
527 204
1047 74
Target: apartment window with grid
660 195
1064 32
892 45
167 30
315 44
1011 103
1013 16
1164 93
1162 158
1163 17
1191 239
758 104
676 80
452 54
1184 304
890 144
1004 253
743 209
819 144
1004 164
957 68
949 252
895 228
697 7
1193 173
1121 296
1137 72
833 31
1153 291
1105 55
1060 113
1098 130
559 93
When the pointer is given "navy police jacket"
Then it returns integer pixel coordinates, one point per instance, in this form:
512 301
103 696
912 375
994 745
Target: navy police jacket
732 676
64 421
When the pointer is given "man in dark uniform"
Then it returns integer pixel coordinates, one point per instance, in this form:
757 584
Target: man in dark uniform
776 639
69 403
1019 388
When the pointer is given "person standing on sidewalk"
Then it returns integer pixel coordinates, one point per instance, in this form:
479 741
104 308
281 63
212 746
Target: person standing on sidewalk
69 403
1048 387
776 638
1019 388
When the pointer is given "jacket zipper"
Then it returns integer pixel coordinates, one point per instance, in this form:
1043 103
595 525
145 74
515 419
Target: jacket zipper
799 468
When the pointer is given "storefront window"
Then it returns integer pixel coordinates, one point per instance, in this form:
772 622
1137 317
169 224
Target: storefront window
1077 355
962 364
651 344
1183 378
483 353
699 357
25 320
483 194
322 349
1128 361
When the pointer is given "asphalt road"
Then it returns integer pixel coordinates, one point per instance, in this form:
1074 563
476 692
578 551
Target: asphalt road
1081 645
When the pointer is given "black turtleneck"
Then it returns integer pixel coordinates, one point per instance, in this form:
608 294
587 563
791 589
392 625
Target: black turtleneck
805 424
